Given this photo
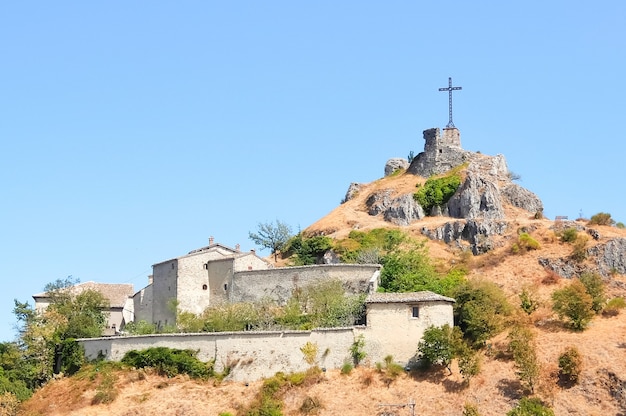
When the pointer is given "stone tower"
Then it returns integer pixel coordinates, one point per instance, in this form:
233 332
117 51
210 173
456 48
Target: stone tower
441 152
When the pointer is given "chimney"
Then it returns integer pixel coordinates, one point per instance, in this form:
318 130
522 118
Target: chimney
211 239
150 279
253 251
237 247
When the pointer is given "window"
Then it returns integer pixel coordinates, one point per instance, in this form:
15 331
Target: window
415 312
206 266
204 287
225 287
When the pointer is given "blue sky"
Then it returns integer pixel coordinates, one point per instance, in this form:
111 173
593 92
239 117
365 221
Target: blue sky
130 132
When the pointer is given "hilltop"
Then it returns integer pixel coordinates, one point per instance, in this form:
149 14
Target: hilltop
477 227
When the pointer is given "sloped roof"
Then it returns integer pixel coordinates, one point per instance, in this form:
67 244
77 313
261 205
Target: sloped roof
411 297
115 293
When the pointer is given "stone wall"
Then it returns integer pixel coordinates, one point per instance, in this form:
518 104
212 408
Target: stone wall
441 153
251 355
279 284
164 288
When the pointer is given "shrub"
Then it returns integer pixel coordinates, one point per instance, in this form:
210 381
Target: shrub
530 407
308 250
310 406
9 404
522 346
356 350
595 288
579 250
480 310
613 306
550 278
437 191
620 225
574 303
310 352
469 362
470 409
569 235
169 362
527 302
601 218
346 368
524 243
439 345
570 366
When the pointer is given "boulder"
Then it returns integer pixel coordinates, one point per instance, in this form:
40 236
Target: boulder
378 202
610 257
395 164
477 197
521 198
353 189
404 210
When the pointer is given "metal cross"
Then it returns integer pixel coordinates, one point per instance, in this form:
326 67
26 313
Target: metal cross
450 89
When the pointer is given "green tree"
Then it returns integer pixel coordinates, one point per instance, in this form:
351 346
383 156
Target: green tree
272 236
481 310
574 303
595 288
522 345
530 407
440 345
570 366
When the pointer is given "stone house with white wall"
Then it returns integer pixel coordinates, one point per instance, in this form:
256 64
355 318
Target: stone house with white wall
119 296
192 282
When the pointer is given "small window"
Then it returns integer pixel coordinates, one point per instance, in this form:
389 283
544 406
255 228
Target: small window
225 287
440 150
415 312
204 287
172 266
206 266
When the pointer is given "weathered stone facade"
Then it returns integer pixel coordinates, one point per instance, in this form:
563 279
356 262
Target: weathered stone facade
441 153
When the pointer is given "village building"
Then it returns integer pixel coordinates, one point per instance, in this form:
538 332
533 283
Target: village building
119 296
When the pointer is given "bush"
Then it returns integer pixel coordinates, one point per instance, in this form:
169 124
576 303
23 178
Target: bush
346 368
570 366
357 350
524 243
530 407
481 310
470 409
9 404
613 307
527 302
522 346
169 362
595 288
574 303
308 250
579 250
437 191
569 235
439 345
601 218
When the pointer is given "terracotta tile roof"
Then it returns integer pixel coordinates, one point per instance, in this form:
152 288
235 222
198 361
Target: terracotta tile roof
424 296
115 293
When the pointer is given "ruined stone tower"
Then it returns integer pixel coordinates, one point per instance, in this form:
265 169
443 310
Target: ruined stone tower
441 152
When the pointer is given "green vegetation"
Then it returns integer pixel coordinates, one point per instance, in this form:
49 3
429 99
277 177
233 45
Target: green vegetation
528 303
470 409
480 311
569 235
272 236
613 307
530 407
570 366
439 345
522 346
579 248
594 285
140 328
437 191
307 250
524 243
357 351
309 350
369 247
601 218
574 303
169 362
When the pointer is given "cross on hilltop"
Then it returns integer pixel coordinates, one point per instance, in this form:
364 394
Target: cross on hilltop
450 89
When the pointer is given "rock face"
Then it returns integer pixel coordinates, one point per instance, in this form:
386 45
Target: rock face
477 233
402 210
610 257
395 164
353 189
521 198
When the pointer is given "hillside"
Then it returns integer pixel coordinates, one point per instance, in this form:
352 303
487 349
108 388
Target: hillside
602 390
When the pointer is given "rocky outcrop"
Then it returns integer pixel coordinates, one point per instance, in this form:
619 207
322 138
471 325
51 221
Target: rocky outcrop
395 164
521 198
564 267
478 233
610 257
477 197
403 210
353 189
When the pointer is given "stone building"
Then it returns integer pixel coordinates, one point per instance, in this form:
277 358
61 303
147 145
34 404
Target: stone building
192 282
119 296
